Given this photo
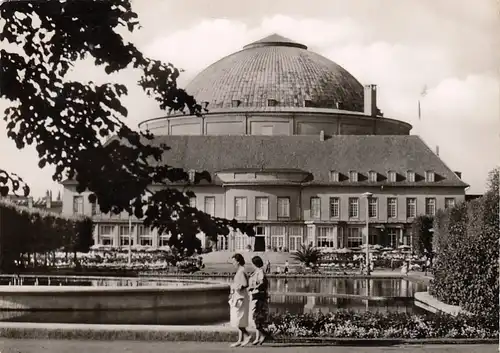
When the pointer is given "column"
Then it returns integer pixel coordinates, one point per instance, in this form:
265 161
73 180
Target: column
401 236
155 238
95 234
311 234
335 237
286 241
267 237
116 235
135 233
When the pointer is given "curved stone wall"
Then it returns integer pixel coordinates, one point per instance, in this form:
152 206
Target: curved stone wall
201 302
276 123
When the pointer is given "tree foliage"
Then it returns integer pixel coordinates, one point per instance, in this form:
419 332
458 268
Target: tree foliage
28 232
68 121
422 228
467 239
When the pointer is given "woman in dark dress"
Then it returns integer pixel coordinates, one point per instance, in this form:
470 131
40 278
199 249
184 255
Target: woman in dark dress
259 305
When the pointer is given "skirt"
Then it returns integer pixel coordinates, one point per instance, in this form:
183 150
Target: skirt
239 314
259 308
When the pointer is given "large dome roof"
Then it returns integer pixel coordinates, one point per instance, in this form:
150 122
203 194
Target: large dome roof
277 71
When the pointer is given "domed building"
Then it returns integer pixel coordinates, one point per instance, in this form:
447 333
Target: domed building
298 146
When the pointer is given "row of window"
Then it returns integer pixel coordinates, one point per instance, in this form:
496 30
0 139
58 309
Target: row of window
373 176
125 232
283 207
373 209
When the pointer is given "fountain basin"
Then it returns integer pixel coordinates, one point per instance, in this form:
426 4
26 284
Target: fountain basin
194 302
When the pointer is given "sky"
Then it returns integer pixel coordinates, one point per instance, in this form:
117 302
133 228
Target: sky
451 47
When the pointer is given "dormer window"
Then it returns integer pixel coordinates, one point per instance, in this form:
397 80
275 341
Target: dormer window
410 176
334 176
339 105
272 102
372 175
235 103
192 174
308 103
391 175
429 176
353 176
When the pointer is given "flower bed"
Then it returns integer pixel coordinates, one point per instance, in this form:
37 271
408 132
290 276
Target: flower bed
345 324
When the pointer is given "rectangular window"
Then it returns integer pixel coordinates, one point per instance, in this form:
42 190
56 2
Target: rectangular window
315 207
262 208
353 176
163 240
410 176
105 230
392 207
449 202
77 204
107 241
353 207
373 176
429 176
145 235
125 239
334 207
354 237
210 205
325 237
93 208
192 202
411 207
430 206
284 207
240 207
146 241
391 176
334 176
372 207
125 230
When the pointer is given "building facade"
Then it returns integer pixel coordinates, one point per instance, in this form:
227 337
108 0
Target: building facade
293 143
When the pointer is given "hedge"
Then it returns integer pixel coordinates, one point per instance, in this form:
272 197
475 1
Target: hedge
466 240
26 232
347 324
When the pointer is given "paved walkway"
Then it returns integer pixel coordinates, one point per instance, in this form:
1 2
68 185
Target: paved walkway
40 346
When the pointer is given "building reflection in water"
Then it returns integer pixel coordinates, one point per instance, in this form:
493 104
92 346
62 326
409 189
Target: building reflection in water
309 304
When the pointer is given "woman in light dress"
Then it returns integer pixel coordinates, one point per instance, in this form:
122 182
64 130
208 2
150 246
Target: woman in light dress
259 307
239 301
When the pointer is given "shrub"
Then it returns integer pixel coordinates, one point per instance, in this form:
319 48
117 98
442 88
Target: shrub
346 324
422 235
26 233
466 239
307 255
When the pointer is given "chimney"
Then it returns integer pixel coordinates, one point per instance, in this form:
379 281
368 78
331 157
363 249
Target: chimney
437 150
322 135
371 100
459 174
48 200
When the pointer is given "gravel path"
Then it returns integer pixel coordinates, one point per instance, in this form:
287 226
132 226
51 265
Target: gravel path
60 346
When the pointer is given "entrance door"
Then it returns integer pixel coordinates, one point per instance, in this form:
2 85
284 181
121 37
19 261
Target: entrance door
260 239
295 243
